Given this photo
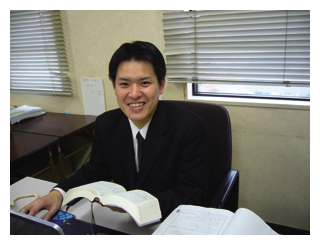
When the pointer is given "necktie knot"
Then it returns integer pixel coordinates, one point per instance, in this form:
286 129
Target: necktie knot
139 138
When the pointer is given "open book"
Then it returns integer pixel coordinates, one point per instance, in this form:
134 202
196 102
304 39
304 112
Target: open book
24 112
140 205
195 220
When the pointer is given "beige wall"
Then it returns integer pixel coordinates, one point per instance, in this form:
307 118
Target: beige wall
271 147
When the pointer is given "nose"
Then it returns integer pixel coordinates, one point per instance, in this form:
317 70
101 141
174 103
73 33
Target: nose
135 91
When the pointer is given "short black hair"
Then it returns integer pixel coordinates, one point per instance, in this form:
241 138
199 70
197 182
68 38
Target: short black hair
138 51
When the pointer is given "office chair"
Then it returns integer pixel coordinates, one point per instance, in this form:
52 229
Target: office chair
223 181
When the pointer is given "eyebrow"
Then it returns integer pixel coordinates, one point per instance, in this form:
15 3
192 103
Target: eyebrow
122 79
146 78
141 79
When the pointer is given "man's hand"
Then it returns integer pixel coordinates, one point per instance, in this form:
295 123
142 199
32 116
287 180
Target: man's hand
51 201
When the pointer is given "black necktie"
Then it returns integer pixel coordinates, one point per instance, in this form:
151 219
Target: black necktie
140 146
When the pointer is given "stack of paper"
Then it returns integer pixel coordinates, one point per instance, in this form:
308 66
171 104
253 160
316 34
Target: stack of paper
23 112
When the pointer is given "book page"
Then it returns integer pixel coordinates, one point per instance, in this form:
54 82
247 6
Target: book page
245 222
194 220
104 188
138 197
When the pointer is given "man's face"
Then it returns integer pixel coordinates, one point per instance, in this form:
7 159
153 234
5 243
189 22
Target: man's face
137 90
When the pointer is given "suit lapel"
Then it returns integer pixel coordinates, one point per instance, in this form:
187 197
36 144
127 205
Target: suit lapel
153 144
124 145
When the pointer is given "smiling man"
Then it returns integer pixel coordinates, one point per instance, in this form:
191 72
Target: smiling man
173 163
137 91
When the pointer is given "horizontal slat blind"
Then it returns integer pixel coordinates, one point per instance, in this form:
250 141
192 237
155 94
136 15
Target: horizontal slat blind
38 59
240 47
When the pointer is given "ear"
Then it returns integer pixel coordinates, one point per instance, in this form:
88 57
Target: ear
163 83
113 84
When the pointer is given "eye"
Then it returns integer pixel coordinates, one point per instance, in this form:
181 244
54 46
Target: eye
145 83
123 84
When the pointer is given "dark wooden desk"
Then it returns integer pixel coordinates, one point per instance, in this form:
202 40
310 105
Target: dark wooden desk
24 146
58 125
55 124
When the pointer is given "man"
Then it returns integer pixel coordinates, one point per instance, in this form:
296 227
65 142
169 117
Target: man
174 162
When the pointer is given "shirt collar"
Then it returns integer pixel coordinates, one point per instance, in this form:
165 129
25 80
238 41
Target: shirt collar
143 130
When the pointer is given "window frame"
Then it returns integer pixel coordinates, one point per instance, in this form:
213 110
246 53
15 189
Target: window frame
247 102
195 92
174 49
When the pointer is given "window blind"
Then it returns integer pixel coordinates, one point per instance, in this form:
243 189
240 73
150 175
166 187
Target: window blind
238 47
38 59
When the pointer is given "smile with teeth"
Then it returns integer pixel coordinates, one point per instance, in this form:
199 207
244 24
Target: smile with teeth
137 104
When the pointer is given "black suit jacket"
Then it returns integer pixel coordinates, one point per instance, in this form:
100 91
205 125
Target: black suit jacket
175 158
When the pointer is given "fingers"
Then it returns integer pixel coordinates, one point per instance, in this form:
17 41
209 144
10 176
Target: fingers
51 212
25 209
34 207
51 201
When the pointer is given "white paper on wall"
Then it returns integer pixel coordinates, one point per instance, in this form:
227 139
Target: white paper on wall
92 95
